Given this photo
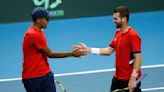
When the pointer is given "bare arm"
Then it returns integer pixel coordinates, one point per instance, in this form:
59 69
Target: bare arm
106 51
47 51
102 51
138 61
137 65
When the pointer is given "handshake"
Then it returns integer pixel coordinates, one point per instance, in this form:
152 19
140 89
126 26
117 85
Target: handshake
80 50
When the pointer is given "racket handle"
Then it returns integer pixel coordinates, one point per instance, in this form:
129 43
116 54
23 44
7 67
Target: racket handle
142 77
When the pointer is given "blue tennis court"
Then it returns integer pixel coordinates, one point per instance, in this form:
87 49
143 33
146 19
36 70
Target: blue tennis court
92 73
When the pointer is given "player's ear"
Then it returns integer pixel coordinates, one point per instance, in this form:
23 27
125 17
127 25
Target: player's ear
124 19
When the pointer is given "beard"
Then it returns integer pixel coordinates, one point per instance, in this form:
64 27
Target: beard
43 26
118 25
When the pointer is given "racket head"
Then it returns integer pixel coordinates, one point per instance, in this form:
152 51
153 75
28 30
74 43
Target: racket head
59 86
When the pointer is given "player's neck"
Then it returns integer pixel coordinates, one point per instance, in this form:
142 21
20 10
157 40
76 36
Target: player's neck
125 27
37 26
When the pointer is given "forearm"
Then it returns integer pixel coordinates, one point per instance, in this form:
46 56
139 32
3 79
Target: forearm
137 62
60 54
51 54
105 51
136 66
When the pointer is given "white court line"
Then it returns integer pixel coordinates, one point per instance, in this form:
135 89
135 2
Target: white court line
86 72
152 89
105 70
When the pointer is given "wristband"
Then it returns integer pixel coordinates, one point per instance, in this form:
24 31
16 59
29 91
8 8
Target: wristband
95 50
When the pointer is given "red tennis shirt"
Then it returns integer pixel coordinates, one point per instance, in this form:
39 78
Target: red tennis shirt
35 63
125 44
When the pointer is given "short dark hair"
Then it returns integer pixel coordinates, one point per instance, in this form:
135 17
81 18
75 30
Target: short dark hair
34 19
123 10
40 12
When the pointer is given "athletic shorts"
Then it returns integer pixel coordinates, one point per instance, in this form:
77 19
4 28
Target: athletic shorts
119 84
40 84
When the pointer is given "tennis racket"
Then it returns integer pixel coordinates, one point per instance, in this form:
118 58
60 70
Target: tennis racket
59 86
125 89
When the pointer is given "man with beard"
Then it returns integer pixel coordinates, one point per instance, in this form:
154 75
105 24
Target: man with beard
127 46
37 75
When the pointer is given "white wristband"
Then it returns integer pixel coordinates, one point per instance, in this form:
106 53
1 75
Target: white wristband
95 50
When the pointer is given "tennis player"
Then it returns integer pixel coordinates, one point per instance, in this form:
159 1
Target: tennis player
127 46
37 75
